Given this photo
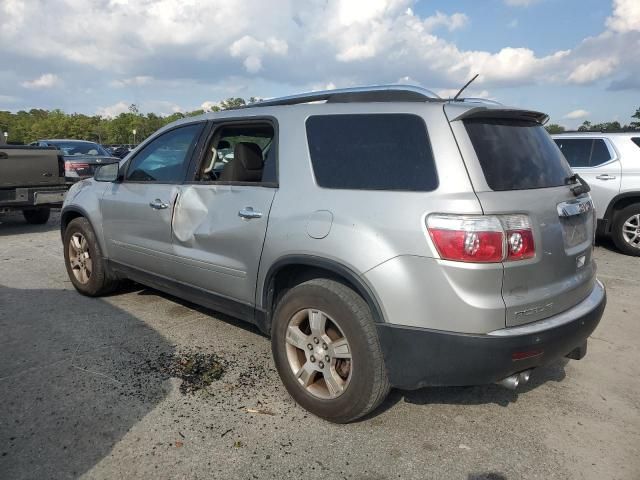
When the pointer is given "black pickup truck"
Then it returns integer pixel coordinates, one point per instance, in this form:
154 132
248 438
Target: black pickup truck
32 180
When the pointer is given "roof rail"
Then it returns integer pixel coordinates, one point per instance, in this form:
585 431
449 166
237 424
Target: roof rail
376 93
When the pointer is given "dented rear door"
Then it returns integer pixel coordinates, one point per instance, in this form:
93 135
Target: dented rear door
218 233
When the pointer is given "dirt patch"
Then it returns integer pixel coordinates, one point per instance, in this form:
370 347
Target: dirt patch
196 370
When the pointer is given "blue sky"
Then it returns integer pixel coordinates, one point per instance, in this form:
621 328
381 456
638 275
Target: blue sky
574 59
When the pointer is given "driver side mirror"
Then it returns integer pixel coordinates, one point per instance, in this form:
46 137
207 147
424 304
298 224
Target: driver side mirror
109 172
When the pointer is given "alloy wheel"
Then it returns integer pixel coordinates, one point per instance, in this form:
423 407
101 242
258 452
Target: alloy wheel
319 353
80 258
631 231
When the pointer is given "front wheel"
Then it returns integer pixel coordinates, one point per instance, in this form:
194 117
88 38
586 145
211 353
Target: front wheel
85 265
327 351
37 216
626 230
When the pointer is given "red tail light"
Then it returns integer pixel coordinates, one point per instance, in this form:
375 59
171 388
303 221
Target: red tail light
70 166
482 238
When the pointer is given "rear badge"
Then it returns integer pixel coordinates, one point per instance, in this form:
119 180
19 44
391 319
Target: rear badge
580 261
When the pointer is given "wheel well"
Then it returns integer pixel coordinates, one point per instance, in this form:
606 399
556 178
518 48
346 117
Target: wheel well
620 204
66 219
289 275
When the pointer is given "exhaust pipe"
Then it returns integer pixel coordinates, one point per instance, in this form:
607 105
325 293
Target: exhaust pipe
513 381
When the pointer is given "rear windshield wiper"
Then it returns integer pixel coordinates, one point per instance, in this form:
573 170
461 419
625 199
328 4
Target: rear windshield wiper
581 186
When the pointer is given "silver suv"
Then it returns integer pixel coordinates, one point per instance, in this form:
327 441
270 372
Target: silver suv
383 237
610 164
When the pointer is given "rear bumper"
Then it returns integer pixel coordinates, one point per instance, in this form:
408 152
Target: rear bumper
417 357
45 196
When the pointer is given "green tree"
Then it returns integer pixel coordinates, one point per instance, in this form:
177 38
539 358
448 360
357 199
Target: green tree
554 128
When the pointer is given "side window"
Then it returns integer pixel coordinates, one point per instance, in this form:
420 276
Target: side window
576 151
242 153
636 140
371 152
600 153
165 158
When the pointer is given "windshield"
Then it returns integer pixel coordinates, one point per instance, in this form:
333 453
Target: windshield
70 149
517 154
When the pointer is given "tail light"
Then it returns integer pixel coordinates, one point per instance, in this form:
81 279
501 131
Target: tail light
73 166
482 238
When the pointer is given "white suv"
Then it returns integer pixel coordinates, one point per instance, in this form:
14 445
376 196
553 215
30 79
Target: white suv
610 164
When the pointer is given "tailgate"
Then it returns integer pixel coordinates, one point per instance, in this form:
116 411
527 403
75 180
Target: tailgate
29 167
516 168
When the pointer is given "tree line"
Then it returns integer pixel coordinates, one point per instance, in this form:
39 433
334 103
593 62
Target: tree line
588 126
24 127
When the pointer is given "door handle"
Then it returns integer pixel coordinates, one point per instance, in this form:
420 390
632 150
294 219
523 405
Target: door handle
249 213
606 176
158 204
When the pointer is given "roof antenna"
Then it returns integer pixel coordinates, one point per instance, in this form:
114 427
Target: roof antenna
465 86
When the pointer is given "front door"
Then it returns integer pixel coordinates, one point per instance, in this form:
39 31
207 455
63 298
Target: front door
595 160
137 212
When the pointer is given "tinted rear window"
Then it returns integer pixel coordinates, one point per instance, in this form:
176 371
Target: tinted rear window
516 154
371 152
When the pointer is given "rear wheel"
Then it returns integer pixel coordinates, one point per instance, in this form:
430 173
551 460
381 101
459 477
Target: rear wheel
626 230
327 352
37 216
85 265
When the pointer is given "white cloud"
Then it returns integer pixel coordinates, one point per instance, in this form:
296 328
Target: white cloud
208 105
282 42
626 16
520 3
577 114
47 80
136 81
513 23
592 71
113 110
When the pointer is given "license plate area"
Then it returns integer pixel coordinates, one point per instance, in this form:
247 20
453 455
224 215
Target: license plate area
577 220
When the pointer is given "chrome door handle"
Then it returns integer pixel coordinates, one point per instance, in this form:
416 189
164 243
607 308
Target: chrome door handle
606 176
249 213
158 204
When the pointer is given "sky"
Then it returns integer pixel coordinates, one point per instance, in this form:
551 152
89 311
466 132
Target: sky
573 59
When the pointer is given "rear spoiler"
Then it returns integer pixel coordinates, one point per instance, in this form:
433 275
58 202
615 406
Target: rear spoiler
505 113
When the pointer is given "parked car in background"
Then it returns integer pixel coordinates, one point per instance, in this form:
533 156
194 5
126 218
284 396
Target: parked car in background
80 157
610 164
120 151
383 238
31 181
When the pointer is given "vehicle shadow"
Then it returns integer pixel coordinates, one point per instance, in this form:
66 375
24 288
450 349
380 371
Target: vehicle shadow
473 395
73 380
14 224
607 243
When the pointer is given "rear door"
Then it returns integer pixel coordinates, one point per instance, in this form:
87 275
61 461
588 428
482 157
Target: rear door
137 212
595 160
516 169
220 219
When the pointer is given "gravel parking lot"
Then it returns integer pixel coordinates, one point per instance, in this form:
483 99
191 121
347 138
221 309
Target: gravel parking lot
84 392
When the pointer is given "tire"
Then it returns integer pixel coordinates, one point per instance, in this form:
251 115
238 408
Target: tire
365 386
79 239
37 216
626 220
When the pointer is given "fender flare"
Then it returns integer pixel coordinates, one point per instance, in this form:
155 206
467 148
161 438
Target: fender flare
364 290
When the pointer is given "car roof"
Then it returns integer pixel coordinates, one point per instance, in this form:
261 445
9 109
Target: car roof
597 134
69 140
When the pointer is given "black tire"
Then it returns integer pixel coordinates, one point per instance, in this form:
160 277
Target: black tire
368 385
100 282
617 229
37 216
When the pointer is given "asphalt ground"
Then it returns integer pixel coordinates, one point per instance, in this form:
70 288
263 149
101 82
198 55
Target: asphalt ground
84 393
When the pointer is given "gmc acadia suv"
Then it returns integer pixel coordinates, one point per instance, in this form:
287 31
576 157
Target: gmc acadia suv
383 237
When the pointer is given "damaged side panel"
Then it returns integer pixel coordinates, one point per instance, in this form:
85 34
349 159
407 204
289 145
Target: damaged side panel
217 249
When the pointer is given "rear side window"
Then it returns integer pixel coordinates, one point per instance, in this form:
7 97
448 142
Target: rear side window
636 140
584 152
516 154
371 152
